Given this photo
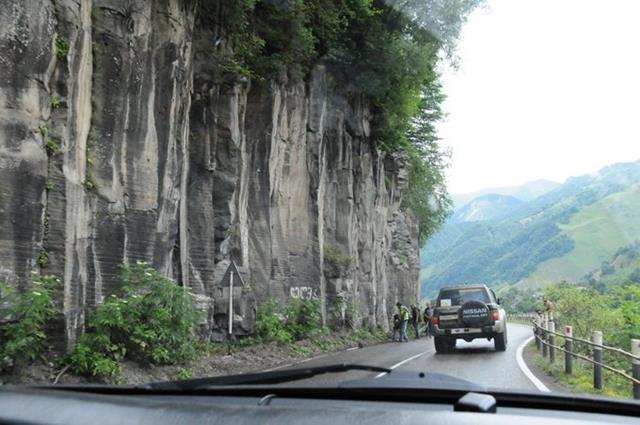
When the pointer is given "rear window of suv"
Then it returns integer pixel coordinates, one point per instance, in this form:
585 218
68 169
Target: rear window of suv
454 297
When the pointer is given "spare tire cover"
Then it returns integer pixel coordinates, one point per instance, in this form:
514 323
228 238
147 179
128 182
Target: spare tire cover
474 313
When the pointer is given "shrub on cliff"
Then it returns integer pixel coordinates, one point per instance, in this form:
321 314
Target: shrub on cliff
298 320
336 262
270 324
303 318
345 314
150 320
22 338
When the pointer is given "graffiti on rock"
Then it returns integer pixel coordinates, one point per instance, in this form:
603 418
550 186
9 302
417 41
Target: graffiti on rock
303 292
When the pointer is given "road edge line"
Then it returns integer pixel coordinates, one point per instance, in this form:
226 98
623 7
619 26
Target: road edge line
525 369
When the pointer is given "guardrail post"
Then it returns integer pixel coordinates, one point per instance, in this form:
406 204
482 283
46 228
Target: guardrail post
536 331
543 336
596 338
552 342
635 367
568 346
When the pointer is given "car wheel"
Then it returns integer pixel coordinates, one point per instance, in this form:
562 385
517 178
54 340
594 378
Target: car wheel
500 341
442 345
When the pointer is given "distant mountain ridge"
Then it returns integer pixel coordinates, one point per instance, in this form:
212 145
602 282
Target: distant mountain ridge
487 207
562 234
525 192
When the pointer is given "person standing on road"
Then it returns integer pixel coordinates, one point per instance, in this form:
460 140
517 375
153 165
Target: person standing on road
428 314
548 308
403 312
396 327
415 320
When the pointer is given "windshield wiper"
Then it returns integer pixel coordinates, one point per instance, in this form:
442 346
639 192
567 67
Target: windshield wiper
273 377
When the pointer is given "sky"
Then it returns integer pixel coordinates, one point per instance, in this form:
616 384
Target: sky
544 89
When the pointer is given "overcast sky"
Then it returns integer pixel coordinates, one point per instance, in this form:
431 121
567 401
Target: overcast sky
545 89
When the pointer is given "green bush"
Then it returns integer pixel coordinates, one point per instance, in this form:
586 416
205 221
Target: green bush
52 146
353 315
150 320
61 47
303 317
43 257
616 313
300 319
345 314
270 325
337 313
26 315
184 373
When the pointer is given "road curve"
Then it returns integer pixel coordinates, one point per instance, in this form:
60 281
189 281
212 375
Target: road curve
476 361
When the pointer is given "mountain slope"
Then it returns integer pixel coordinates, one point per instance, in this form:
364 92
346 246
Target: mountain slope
623 267
598 231
562 234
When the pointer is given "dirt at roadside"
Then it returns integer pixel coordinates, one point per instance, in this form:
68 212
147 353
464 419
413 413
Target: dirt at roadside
224 361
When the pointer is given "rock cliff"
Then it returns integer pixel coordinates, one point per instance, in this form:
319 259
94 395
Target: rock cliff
118 144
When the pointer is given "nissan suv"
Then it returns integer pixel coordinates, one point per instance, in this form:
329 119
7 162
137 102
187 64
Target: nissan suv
468 312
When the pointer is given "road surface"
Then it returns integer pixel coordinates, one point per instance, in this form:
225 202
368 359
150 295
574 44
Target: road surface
476 361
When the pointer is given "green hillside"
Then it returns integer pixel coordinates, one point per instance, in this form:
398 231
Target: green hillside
622 268
597 231
563 234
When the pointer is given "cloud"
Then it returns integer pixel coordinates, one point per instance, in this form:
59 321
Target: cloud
545 89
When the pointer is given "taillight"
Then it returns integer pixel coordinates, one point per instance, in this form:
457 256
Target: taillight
436 320
496 315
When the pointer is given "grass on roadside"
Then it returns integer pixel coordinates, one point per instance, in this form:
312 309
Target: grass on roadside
581 380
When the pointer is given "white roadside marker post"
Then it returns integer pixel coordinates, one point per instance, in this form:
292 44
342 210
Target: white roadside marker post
230 304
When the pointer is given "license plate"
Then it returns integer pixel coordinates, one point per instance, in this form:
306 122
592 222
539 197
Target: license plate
464 330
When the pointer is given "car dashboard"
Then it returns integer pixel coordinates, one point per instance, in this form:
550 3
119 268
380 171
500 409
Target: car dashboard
39 406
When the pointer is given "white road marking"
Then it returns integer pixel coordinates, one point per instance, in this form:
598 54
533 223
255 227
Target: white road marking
402 362
352 348
539 385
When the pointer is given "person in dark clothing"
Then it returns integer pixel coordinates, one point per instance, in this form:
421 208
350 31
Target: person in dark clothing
428 314
415 320
396 327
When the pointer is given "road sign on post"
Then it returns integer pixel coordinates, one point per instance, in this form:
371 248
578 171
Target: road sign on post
230 302
228 280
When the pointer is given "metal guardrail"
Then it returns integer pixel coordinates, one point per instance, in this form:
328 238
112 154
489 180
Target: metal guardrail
545 333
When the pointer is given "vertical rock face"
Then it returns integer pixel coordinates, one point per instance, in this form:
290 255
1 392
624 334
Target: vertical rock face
117 144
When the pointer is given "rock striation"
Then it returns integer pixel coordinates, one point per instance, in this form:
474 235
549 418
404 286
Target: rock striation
117 143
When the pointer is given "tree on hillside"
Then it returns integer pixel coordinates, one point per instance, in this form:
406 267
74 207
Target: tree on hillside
427 194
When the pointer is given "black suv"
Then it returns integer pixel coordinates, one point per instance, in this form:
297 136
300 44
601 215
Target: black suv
468 312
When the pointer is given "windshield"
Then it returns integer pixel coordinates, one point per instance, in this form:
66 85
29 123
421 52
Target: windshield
455 297
205 188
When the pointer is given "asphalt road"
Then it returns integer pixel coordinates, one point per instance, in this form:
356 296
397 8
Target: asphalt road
476 361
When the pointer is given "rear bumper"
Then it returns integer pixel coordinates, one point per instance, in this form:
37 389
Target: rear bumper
460 332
